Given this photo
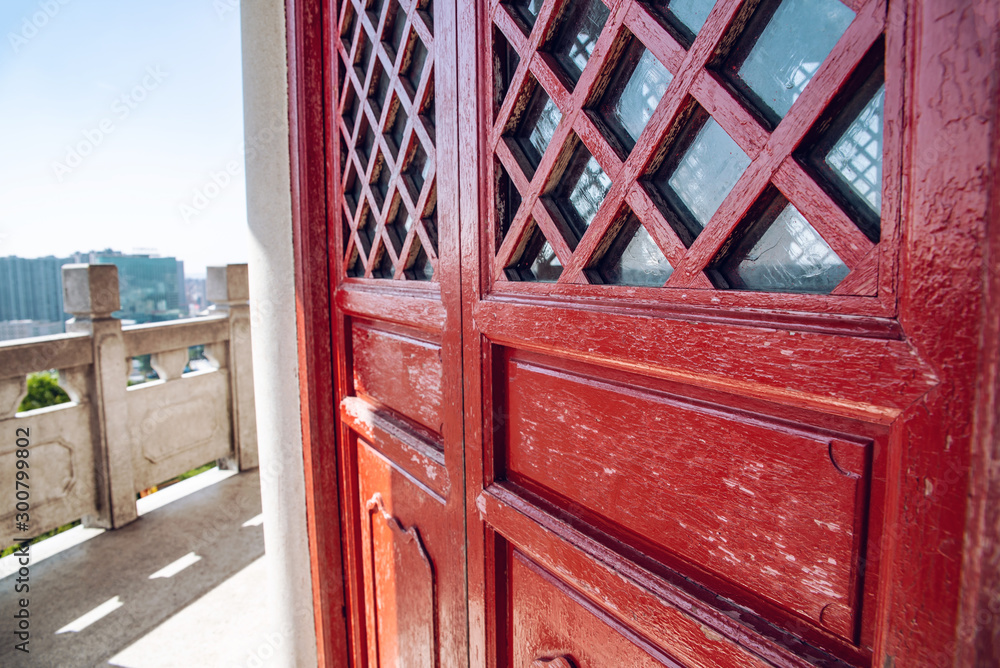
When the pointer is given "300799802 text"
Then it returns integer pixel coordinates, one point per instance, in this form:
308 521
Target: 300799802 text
22 495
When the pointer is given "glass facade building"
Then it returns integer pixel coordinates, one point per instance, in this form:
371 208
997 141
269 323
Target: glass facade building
31 298
31 289
151 288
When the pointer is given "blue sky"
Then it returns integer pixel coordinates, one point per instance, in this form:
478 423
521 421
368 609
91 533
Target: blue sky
118 122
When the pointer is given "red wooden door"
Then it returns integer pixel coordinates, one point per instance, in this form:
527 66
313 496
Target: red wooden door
656 329
397 323
709 354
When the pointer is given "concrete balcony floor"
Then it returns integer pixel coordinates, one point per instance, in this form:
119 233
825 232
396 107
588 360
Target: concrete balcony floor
184 585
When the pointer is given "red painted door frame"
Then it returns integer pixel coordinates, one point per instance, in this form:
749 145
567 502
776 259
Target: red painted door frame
308 117
938 604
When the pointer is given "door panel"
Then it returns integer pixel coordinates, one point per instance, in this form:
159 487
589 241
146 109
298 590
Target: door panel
550 623
398 323
682 362
773 506
400 594
380 356
651 602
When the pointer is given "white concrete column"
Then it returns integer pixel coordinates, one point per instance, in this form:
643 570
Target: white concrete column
272 309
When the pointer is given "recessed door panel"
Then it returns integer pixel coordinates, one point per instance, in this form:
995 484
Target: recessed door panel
399 535
399 371
775 507
553 627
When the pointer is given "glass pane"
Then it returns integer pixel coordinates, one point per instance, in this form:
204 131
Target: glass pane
790 257
349 22
396 128
708 171
424 271
421 268
430 226
399 227
791 48
545 127
351 106
578 35
366 141
417 171
546 266
426 7
363 56
591 188
538 126
640 262
355 268
641 95
394 35
857 156
380 180
375 10
538 261
508 202
413 64
528 9
366 230
505 62
383 265
353 191
380 87
692 13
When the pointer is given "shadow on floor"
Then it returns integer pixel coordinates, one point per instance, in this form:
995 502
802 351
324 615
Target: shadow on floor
115 568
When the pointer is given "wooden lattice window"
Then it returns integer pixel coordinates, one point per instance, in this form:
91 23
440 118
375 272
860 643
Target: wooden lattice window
740 152
385 119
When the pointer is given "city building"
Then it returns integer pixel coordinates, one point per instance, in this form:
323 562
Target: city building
196 299
152 288
31 300
31 289
28 329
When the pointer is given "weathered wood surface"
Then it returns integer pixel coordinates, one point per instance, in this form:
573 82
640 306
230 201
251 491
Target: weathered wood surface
567 561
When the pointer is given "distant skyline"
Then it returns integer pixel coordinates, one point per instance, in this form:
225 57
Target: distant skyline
122 128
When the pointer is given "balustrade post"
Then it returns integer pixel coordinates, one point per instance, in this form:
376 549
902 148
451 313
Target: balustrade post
229 289
90 294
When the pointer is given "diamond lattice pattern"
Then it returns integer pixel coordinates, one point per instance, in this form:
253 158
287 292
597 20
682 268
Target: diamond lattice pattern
387 149
634 143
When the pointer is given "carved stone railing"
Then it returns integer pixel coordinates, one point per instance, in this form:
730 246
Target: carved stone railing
88 459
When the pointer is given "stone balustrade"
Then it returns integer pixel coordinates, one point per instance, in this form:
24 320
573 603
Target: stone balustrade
89 458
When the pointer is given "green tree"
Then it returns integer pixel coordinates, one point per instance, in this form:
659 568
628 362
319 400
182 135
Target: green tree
43 391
